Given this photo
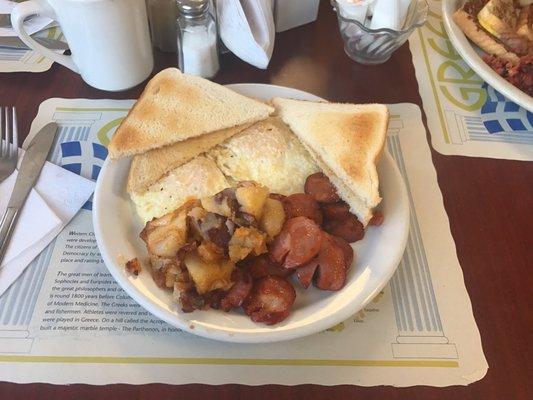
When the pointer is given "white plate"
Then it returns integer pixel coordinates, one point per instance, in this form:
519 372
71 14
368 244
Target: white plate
117 232
467 51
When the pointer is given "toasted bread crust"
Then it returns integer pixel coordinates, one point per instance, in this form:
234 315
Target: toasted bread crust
149 167
175 107
195 179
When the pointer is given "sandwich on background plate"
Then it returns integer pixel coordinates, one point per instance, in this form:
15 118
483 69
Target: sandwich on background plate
504 30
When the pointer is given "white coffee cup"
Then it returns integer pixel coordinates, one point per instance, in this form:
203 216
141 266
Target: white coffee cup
109 39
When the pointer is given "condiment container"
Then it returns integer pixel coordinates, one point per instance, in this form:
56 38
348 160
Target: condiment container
162 16
289 14
375 46
197 41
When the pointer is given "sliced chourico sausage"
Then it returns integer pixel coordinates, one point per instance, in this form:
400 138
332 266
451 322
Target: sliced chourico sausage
298 242
319 186
331 274
270 301
377 219
335 211
239 291
349 228
306 273
259 267
302 205
346 249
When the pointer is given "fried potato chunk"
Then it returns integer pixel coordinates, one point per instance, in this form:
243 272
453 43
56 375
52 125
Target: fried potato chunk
246 241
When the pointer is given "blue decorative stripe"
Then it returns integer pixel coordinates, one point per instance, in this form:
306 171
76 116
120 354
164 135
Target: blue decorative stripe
99 151
516 124
493 126
510 107
76 168
69 149
95 172
489 107
499 115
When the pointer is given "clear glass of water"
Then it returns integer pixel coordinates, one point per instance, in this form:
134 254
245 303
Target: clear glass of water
375 46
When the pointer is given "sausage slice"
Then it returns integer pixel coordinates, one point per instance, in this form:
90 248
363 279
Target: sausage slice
349 228
377 219
259 267
302 205
298 242
319 186
335 211
306 273
331 273
239 291
270 301
346 249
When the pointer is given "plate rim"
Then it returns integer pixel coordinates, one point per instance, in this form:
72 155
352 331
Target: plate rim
253 337
466 50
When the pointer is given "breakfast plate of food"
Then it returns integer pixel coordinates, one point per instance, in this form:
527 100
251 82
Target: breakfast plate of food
495 38
249 213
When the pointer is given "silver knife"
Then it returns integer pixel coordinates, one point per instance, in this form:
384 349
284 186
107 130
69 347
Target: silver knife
13 42
29 171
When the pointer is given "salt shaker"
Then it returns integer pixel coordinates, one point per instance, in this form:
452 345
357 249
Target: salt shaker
162 15
197 43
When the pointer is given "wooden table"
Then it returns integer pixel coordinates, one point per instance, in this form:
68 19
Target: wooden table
493 238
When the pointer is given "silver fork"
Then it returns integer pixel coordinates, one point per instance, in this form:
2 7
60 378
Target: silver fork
8 141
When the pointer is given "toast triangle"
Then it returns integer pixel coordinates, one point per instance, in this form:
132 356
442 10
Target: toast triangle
149 167
175 107
346 141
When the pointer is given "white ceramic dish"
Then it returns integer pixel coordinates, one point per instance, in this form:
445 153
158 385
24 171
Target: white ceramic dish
377 256
468 52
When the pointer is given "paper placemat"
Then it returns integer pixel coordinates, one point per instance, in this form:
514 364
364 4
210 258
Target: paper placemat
67 321
465 116
15 60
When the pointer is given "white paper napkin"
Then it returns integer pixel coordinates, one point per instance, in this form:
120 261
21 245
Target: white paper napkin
57 197
247 29
31 26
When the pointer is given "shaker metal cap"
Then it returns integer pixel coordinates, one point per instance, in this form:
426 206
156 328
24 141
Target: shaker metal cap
192 8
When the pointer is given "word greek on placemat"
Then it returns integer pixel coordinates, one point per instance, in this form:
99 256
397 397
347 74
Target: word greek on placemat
465 116
20 60
67 321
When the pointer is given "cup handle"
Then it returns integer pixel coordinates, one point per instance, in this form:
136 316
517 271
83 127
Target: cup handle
38 7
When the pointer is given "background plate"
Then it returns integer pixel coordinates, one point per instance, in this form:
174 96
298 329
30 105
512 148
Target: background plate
467 51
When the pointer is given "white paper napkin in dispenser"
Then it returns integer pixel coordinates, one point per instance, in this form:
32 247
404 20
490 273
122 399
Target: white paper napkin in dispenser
289 14
247 29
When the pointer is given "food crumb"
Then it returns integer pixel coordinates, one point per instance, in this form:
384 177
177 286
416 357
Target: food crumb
133 266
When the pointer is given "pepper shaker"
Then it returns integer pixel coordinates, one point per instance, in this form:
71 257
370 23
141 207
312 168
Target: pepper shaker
162 16
197 41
